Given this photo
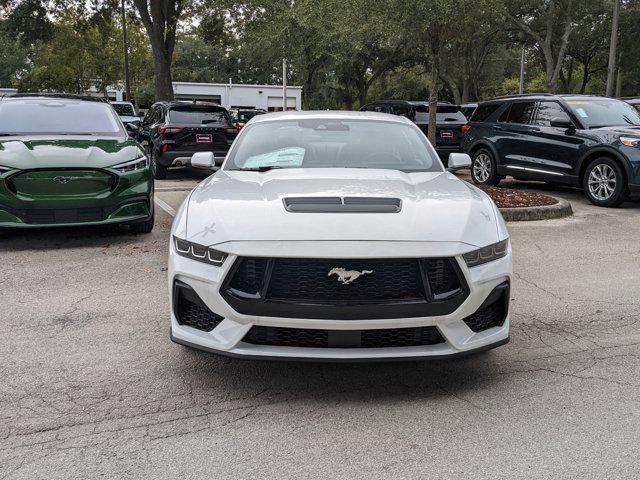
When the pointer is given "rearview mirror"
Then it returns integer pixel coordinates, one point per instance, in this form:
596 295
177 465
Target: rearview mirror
458 161
202 160
559 122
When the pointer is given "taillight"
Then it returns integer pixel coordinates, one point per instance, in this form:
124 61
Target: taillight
170 129
165 147
465 128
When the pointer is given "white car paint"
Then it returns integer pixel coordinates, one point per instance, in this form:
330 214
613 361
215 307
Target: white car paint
242 214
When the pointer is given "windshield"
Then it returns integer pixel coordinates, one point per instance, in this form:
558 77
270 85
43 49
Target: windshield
52 116
332 143
605 112
199 116
124 109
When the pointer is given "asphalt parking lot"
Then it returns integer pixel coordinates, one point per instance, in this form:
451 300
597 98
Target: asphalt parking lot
93 388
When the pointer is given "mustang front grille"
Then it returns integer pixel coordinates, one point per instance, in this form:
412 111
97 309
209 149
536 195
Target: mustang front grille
312 338
345 288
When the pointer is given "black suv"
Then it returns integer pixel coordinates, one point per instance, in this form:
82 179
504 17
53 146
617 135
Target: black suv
579 140
174 131
449 121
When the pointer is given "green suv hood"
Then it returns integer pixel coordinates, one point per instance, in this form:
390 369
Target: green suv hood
66 151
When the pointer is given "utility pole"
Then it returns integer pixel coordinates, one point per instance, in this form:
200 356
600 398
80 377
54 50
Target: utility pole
127 80
521 88
284 84
619 83
611 71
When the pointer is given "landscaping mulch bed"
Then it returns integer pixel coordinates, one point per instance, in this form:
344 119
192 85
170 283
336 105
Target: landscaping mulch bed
508 198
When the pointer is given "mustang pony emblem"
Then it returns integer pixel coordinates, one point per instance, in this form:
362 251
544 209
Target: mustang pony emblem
347 276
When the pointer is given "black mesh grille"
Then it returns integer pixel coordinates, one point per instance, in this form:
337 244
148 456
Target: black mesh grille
190 310
69 215
345 289
492 315
309 280
311 338
249 275
442 276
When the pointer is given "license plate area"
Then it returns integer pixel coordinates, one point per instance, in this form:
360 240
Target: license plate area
446 134
204 138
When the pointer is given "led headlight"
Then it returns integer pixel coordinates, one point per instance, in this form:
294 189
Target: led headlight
199 252
137 164
630 141
486 254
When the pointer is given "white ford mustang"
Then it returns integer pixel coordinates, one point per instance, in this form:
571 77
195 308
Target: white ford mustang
338 236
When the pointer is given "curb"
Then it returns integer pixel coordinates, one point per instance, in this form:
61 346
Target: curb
545 212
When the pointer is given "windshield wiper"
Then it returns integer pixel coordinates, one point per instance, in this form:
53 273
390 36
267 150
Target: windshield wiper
264 168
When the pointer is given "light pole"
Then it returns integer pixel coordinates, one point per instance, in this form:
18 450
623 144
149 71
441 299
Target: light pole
127 80
611 71
521 87
284 84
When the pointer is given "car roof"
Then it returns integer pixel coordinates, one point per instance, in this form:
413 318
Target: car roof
329 115
56 96
196 104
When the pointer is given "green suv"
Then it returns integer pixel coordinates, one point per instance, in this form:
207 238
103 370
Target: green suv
68 160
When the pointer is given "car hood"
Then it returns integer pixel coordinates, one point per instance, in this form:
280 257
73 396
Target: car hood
66 151
613 133
248 206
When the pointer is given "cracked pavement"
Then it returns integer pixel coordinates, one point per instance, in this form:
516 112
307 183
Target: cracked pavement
93 388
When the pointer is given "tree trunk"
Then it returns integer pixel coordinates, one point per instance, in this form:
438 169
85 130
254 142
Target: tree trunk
585 79
162 74
466 89
433 98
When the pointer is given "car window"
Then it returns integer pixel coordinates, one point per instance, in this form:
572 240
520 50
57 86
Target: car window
52 116
484 111
199 116
332 143
603 112
547 111
403 111
521 112
123 109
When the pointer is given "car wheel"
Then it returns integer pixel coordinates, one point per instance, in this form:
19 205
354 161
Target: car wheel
144 227
604 183
159 171
483 168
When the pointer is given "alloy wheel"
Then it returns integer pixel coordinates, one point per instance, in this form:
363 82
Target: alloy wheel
602 181
482 167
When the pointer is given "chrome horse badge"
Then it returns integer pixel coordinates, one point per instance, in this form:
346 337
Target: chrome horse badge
347 276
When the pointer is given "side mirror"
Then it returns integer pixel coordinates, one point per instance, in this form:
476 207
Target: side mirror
561 123
458 161
202 160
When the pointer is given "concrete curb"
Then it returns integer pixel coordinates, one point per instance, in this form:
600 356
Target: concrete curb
545 212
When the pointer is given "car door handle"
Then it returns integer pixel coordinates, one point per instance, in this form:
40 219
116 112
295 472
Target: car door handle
497 127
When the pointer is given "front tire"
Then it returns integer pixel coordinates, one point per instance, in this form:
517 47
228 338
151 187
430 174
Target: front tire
604 183
159 171
484 170
144 227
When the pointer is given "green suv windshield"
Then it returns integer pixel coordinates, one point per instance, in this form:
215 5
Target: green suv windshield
605 112
332 143
58 117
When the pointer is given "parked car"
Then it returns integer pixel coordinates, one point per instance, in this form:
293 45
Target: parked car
126 111
633 101
338 236
467 109
579 140
174 131
68 160
449 121
240 116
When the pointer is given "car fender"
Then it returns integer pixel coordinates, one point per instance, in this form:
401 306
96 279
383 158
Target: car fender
483 143
605 151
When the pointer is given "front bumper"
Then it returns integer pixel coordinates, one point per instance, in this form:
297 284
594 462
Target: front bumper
227 337
130 200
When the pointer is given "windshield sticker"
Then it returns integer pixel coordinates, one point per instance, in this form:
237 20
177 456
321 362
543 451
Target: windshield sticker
285 157
581 112
578 102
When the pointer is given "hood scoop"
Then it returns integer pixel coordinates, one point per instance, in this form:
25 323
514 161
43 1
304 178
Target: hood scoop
342 205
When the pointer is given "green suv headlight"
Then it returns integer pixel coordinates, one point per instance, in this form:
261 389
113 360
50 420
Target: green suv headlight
199 252
487 254
137 164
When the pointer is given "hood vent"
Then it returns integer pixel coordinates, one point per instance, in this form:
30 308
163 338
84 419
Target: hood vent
342 205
